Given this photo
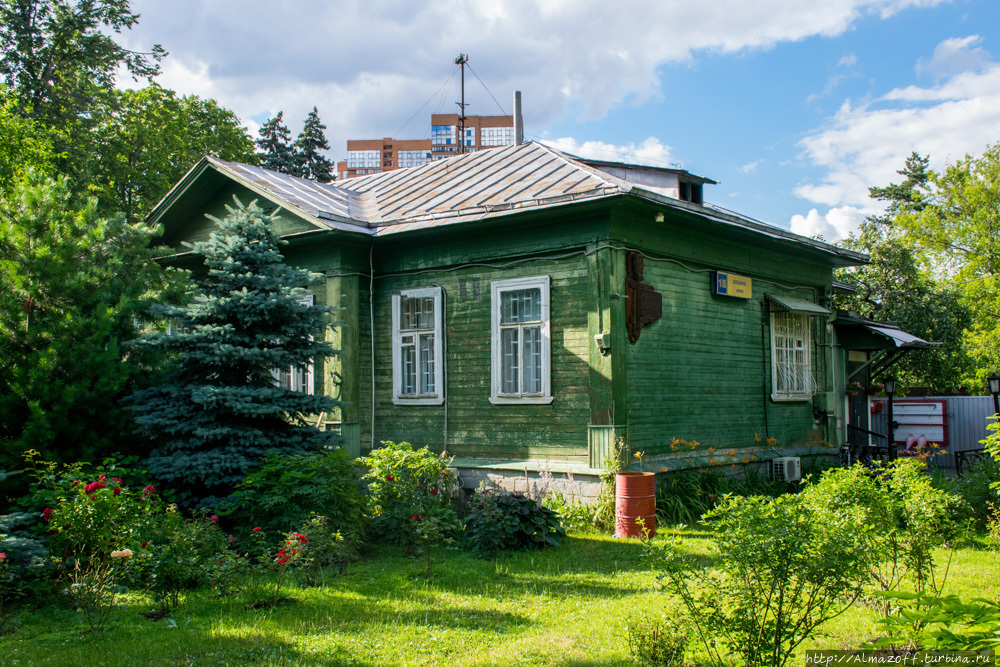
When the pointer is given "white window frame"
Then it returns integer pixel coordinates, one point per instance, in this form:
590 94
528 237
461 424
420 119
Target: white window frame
497 288
437 397
292 378
782 394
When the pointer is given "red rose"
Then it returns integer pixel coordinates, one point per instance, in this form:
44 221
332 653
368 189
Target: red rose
143 545
282 561
102 478
47 514
213 519
302 538
257 529
418 517
389 478
66 527
149 490
282 553
117 490
434 492
75 482
93 486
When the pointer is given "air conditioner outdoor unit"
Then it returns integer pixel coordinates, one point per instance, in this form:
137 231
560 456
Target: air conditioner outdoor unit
786 469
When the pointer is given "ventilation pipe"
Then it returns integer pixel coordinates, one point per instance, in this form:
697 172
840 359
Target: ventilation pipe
518 120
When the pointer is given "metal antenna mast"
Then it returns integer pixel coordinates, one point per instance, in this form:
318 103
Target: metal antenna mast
460 61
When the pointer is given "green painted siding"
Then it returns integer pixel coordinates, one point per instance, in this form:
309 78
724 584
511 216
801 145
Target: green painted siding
702 372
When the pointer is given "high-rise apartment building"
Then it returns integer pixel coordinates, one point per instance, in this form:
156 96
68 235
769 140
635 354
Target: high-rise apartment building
371 156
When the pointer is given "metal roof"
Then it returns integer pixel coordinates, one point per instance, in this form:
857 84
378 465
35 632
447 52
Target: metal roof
464 189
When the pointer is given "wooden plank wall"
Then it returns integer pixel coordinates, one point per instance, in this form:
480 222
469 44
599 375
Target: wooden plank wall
699 373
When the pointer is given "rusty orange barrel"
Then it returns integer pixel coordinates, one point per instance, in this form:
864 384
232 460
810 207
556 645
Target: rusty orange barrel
635 498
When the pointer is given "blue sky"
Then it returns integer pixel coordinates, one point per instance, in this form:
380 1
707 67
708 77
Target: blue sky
794 107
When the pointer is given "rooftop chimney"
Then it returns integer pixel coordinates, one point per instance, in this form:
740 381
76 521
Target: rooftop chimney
518 120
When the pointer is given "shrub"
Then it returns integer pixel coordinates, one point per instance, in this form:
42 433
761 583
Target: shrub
783 570
287 490
403 482
575 514
657 642
501 521
934 623
899 519
178 554
976 489
320 546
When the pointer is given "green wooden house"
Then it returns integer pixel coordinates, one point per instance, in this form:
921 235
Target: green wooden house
525 310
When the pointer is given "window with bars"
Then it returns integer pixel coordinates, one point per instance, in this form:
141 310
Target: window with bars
520 341
417 368
791 369
296 378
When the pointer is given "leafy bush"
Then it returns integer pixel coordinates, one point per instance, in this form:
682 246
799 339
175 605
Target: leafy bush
178 554
783 570
320 546
575 514
501 521
976 489
403 482
657 642
287 490
899 519
934 623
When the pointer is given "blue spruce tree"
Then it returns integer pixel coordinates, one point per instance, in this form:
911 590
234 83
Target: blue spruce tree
222 407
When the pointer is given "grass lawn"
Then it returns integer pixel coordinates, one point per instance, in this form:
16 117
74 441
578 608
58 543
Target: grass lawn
565 606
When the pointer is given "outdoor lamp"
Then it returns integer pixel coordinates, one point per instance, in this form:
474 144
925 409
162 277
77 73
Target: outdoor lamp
890 385
994 382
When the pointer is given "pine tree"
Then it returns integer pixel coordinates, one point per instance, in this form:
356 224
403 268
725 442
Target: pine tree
220 410
275 147
312 164
71 286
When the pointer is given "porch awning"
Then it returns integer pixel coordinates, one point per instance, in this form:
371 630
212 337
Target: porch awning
899 338
795 305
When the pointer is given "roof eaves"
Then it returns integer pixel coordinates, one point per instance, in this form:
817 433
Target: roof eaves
847 257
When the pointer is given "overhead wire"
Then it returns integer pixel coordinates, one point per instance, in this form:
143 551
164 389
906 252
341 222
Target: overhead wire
502 111
447 80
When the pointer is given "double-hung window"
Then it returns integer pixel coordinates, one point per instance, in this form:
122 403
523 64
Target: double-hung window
520 341
791 369
296 378
417 363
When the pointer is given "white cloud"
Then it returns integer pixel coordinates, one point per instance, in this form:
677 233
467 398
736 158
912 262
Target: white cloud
368 65
958 54
865 145
836 224
849 60
750 167
650 152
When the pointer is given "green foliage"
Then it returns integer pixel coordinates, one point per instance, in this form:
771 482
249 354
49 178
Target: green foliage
500 521
179 554
24 145
311 163
941 623
71 286
286 491
657 642
783 570
978 487
301 158
220 412
323 547
897 286
147 139
575 514
955 234
899 519
275 149
435 526
402 483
